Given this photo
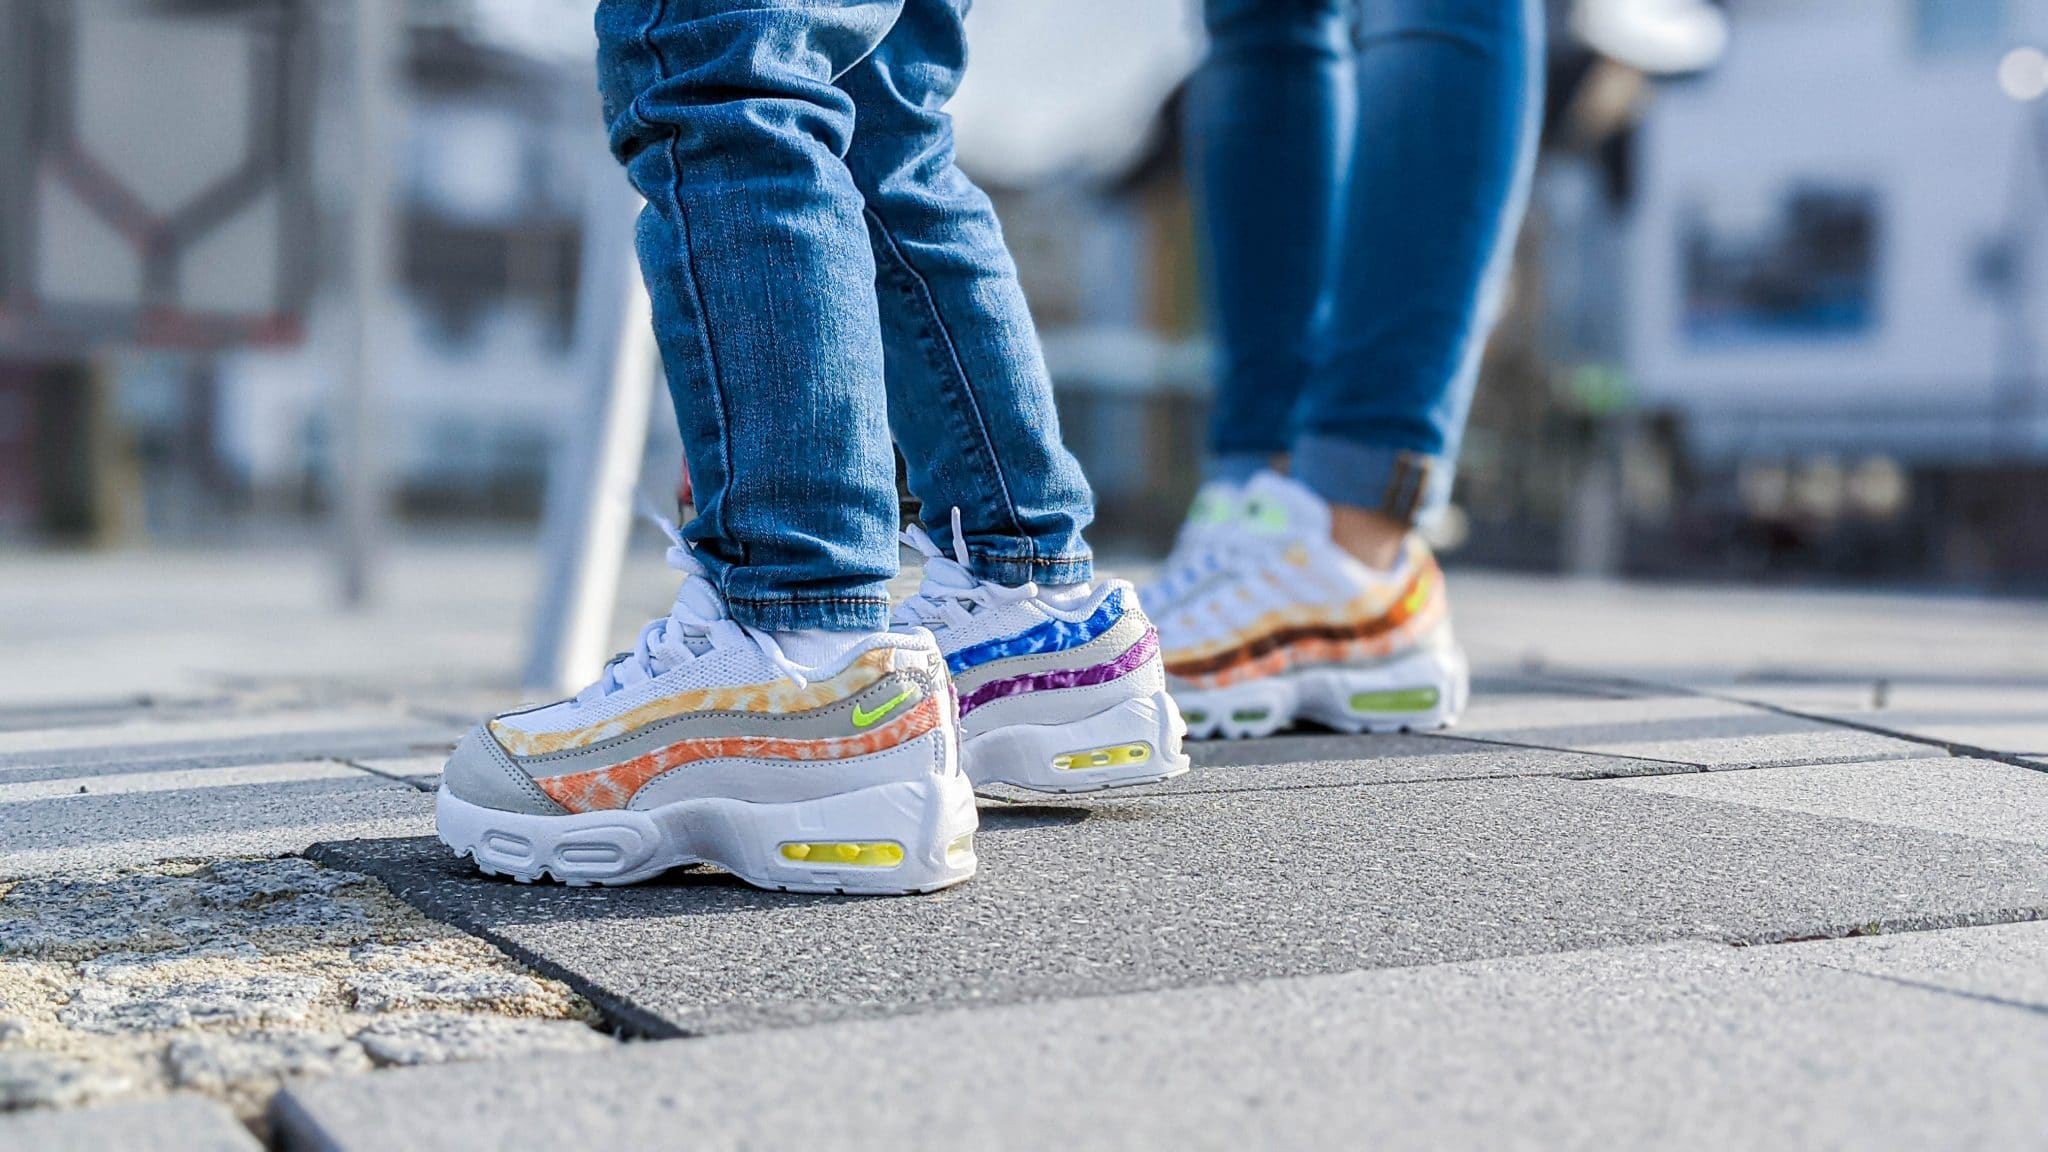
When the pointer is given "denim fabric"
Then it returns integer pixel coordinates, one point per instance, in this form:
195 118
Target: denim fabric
823 275
1361 170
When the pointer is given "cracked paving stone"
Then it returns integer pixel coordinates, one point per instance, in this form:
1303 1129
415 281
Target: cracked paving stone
40 1080
219 1064
439 1038
193 1003
232 977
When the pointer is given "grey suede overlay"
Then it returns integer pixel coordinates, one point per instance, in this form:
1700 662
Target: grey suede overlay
480 772
1101 650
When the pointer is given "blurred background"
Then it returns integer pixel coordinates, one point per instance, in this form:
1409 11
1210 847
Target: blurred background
292 275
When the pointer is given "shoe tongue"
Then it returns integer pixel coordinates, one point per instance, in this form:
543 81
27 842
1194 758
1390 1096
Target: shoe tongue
946 573
697 606
1280 509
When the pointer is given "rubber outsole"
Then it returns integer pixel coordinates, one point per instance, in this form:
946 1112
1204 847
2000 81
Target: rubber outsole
1062 758
1422 690
926 825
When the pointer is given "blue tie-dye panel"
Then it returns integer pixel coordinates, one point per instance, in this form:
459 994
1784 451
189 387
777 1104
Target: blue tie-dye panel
1051 636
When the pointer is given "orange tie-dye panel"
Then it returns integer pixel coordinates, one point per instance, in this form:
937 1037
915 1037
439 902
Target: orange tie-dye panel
613 787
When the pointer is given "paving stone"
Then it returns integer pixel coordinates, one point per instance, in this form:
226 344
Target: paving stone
177 780
439 1037
2003 962
1120 894
48 1080
1950 794
189 1003
73 833
1696 730
155 745
437 986
1672 1047
177 1124
224 1064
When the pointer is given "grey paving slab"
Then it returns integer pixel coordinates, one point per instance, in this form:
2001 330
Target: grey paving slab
1951 794
193 815
1122 894
154 744
1687 729
1671 1047
2007 963
175 1124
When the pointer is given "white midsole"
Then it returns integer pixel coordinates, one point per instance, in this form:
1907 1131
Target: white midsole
1421 689
1029 755
931 819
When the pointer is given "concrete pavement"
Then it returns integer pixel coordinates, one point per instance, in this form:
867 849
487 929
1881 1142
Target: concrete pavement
1700 867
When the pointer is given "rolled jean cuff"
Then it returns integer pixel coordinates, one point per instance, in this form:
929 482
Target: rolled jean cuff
1411 487
1236 467
1072 568
831 613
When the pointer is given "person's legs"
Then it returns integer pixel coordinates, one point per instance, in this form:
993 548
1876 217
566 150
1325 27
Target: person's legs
756 254
766 724
969 398
1059 682
1448 96
1270 115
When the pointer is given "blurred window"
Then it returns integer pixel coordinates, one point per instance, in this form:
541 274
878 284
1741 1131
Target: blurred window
1958 27
1805 268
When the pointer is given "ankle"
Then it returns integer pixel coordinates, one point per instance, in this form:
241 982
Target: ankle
1372 538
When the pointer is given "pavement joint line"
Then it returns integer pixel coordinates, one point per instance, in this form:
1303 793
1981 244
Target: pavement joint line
618 1013
359 766
1899 927
1499 743
1952 747
1938 989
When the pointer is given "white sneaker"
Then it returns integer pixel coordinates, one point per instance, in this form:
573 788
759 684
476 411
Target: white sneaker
1298 629
1201 549
706 743
1060 691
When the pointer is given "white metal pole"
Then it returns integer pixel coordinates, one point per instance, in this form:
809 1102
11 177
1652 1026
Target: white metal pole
359 466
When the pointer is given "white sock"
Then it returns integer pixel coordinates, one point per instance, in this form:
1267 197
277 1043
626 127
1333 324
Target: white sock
1066 597
818 647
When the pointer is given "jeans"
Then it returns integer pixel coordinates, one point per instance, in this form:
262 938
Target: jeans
1361 167
823 277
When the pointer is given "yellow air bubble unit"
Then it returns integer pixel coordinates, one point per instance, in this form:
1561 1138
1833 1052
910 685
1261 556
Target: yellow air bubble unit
846 854
1110 757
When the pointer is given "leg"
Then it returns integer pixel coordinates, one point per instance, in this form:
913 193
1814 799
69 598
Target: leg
1448 96
969 398
756 255
1269 115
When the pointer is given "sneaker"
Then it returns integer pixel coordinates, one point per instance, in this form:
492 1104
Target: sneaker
1060 690
1200 551
707 744
1298 629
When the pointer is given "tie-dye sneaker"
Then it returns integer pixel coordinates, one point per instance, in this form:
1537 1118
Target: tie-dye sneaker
1059 691
1301 630
705 744
1201 553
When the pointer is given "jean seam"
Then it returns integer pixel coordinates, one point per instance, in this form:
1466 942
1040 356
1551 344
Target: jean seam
936 334
689 267
799 598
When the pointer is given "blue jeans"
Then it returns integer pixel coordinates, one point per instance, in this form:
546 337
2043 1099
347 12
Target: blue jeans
823 276
1361 168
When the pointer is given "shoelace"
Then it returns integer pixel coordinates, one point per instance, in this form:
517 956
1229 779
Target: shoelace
950 592
697 623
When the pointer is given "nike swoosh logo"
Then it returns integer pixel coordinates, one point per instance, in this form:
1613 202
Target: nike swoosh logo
862 718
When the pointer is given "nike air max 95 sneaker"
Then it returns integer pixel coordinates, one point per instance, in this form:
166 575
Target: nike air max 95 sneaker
1061 690
707 744
1298 629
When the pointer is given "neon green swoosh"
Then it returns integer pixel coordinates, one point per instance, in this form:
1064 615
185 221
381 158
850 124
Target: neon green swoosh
862 718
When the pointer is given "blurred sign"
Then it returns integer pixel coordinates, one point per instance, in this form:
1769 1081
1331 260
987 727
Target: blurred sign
153 172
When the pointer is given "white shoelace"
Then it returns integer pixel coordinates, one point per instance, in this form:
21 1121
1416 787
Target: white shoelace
697 623
950 592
